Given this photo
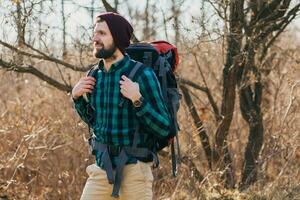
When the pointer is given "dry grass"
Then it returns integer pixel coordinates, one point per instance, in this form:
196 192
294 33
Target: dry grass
44 151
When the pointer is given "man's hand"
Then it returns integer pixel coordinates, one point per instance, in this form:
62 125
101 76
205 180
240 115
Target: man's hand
84 85
129 89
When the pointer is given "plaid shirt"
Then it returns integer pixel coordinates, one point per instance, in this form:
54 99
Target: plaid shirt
116 125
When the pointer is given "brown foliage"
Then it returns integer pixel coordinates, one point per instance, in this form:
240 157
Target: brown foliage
44 151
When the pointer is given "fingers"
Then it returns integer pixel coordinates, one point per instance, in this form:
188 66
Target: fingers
88 82
125 78
125 81
87 91
124 93
122 82
88 78
88 87
85 85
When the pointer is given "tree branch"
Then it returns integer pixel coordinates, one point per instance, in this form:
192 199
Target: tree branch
192 84
199 125
43 56
209 95
37 73
292 13
279 26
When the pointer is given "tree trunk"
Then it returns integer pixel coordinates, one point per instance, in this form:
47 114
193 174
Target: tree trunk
64 54
234 40
116 2
146 30
250 95
175 12
21 32
92 14
199 125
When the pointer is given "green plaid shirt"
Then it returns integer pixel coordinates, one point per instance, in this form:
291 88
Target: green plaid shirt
115 125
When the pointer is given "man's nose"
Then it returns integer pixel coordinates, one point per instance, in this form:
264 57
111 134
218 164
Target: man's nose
96 38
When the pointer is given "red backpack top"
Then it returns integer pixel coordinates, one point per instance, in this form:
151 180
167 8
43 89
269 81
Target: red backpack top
164 47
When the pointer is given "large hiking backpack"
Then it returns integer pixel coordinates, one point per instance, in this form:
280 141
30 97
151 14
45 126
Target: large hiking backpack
163 58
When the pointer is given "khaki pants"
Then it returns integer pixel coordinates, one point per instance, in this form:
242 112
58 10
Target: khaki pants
136 184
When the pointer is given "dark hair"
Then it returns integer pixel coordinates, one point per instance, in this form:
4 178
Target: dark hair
99 19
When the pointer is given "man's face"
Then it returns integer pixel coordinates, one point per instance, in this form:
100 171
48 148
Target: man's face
103 43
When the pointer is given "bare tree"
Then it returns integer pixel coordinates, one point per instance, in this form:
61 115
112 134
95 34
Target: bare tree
146 30
176 13
20 23
267 20
148 16
63 28
233 60
253 28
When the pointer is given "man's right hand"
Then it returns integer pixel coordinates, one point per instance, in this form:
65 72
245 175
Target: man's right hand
84 85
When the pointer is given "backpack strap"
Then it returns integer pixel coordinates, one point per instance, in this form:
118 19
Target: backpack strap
93 72
132 76
134 70
133 150
163 67
90 110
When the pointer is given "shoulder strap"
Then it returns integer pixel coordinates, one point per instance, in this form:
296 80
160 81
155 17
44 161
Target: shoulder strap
132 76
93 71
134 70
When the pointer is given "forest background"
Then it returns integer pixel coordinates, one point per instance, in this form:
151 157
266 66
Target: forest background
238 75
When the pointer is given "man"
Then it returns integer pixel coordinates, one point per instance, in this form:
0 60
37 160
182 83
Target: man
115 127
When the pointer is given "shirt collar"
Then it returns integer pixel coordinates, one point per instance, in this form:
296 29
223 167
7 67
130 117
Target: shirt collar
115 66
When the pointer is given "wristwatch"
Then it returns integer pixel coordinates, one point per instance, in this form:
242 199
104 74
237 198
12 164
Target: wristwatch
138 103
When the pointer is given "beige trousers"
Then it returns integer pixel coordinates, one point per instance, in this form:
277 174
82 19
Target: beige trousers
136 184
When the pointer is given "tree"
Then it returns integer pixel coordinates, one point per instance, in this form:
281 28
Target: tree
259 23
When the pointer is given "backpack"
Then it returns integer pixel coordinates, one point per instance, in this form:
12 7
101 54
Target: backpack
163 58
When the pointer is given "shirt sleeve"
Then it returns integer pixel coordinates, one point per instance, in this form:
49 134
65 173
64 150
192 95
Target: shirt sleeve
80 106
153 111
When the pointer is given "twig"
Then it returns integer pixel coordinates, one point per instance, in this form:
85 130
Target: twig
43 56
37 73
209 95
292 98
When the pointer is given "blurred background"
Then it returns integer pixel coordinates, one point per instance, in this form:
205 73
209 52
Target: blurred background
238 75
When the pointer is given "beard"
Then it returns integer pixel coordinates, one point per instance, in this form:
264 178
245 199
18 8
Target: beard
105 53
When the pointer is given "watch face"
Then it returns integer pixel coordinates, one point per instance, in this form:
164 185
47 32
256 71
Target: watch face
138 102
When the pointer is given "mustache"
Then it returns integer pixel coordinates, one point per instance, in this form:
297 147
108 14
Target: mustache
98 43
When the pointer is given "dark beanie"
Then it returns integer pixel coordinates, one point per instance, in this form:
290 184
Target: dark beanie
120 29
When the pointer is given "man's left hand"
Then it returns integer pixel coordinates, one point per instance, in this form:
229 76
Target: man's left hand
129 89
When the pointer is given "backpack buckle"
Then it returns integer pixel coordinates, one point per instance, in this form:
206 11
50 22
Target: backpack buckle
114 150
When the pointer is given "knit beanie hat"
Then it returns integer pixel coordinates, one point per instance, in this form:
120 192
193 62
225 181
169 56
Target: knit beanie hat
120 29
